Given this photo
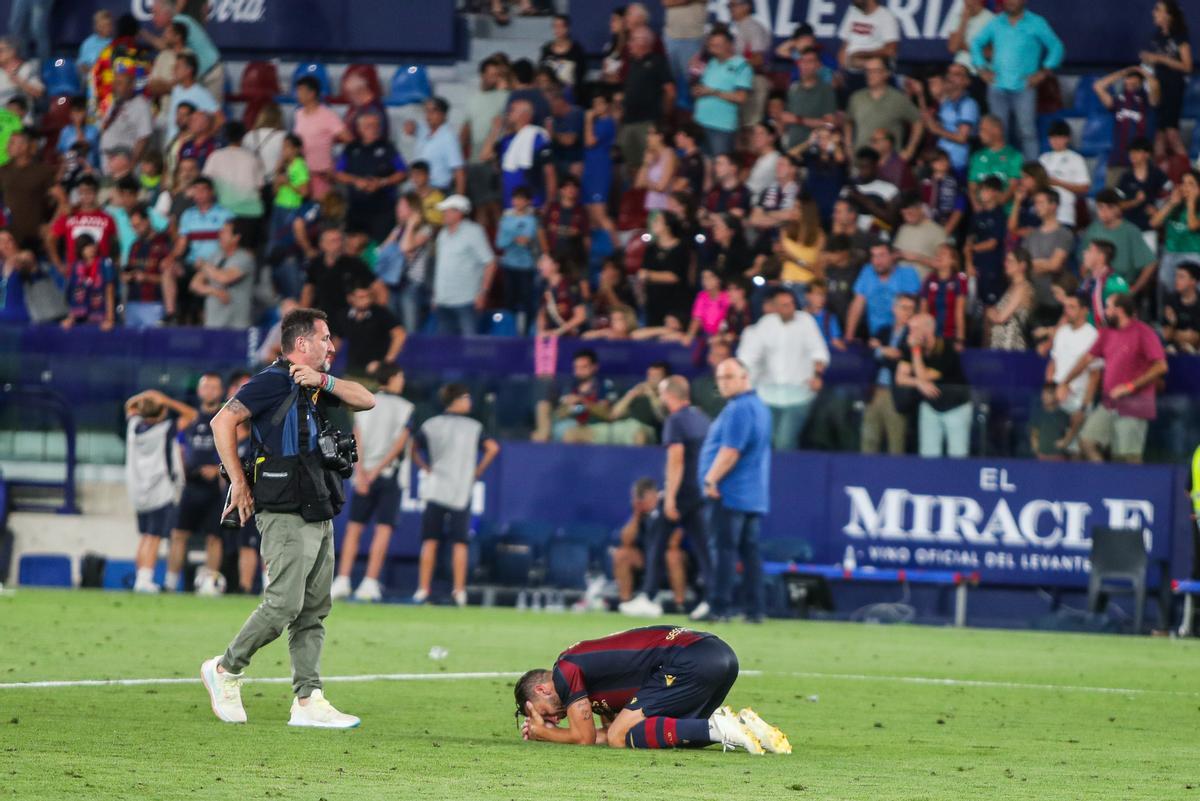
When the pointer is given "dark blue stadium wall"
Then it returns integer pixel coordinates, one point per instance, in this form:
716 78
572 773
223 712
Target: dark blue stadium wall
1108 32
249 27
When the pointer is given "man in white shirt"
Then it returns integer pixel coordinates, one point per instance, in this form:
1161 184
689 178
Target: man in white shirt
786 356
752 41
867 30
379 477
1067 170
963 23
1072 340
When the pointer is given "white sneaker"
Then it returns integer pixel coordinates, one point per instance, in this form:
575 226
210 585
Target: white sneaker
340 589
460 598
369 591
734 733
700 612
320 714
146 587
640 606
770 737
224 691
420 596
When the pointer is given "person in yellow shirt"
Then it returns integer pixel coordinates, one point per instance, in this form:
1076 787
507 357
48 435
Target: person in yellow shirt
801 243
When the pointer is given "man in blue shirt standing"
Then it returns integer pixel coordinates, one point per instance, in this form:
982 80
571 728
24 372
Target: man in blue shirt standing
1025 51
723 88
735 465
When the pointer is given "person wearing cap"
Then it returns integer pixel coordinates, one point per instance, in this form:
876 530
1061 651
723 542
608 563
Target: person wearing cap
463 271
1134 261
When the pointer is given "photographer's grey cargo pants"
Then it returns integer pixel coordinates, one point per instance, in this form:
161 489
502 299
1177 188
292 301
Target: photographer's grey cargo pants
298 560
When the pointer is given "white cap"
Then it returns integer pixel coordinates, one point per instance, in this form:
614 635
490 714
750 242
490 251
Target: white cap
456 202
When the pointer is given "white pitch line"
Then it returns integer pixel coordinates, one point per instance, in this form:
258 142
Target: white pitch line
365 677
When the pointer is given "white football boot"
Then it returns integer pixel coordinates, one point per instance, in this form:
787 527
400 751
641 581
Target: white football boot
731 732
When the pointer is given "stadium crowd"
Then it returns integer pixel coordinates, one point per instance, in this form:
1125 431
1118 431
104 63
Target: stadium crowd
704 186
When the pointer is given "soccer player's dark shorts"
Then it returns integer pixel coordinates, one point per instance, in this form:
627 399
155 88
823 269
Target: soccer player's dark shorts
382 502
158 522
248 536
692 684
200 507
444 524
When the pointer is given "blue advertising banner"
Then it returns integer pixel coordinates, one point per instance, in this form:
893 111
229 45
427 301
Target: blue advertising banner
292 26
1113 36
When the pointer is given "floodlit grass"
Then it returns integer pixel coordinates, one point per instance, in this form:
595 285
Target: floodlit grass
1023 715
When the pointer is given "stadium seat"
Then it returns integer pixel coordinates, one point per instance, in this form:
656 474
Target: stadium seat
45 570
595 536
535 533
1191 98
410 84
1100 173
502 324
311 69
567 564
61 77
365 71
631 213
119 574
1085 101
1118 554
57 116
635 253
512 564
260 81
1097 133
786 549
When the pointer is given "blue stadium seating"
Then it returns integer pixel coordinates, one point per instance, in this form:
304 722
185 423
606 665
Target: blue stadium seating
1085 101
1191 98
44 570
502 324
119 574
410 84
61 77
313 69
1096 136
535 533
512 564
596 536
567 564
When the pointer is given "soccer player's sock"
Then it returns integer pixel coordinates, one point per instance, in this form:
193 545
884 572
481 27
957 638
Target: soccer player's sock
145 575
660 732
171 581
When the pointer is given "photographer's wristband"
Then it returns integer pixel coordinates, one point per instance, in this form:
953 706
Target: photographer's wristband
330 383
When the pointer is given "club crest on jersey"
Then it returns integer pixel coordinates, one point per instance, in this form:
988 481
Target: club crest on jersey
670 679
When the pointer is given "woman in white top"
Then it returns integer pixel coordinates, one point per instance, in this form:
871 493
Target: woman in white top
266 140
764 142
17 77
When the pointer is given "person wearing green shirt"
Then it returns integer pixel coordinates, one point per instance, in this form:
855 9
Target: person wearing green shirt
1133 260
994 158
9 123
1180 217
291 183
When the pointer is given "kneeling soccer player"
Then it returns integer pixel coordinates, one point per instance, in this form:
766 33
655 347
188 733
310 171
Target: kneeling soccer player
653 687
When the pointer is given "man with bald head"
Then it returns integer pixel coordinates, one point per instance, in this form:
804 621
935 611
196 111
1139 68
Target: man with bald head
735 466
525 156
682 505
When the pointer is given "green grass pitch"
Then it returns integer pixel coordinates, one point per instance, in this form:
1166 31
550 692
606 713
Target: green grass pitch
1024 715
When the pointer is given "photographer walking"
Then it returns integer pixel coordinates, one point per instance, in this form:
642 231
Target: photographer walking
297 471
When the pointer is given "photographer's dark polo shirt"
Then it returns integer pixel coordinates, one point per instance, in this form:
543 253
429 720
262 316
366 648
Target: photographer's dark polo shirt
263 393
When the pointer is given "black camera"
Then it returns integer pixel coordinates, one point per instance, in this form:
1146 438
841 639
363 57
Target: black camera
233 519
339 451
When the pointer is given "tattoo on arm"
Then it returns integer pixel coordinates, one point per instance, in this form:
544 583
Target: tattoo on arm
238 410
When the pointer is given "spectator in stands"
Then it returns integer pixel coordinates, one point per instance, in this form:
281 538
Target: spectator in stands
874 197
403 263
965 22
153 470
728 194
723 87
26 185
764 145
200 225
1181 312
265 140
824 158
570 408
362 100
1100 282
87 217
149 274
811 101
942 192
985 242
709 308
1131 108
664 274
735 463
1072 340
657 171
523 86
1066 170
464 270
785 357
996 159
1132 260
752 41
1050 428
1021 217
1050 246
1143 187
777 205
382 470
876 289
14 279
161 79
524 155
1009 320
562 311
199 142
1134 362
636 418
418 178
331 277
612 293
237 176
91 47
816 303
683 37
565 127
129 121
599 137
565 57
1179 217
372 168
868 30
373 336
447 448
893 167
517 240
944 295
320 128
956 118
438 147
801 241
172 203
78 129
564 231
17 77
629 554
290 183
725 251
1024 52
881 418
881 105
918 238
931 365
649 94
91 286
1170 53
187 90
483 106
227 282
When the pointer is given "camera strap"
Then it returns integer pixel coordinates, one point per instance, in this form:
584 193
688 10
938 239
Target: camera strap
302 422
